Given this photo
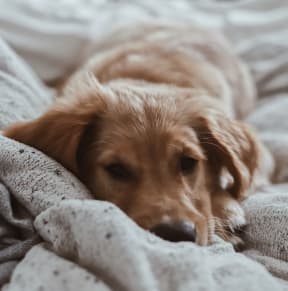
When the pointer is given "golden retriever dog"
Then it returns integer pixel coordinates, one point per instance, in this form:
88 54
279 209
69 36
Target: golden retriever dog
151 124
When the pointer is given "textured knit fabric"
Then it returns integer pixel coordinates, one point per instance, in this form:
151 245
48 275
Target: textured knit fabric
22 96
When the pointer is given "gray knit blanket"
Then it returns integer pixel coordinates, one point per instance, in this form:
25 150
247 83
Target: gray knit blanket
53 235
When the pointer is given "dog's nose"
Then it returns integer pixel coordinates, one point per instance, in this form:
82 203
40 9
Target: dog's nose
175 231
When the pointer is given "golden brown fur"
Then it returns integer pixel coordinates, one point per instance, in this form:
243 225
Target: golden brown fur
148 124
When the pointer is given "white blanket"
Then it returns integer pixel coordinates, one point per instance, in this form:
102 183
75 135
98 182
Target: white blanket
92 245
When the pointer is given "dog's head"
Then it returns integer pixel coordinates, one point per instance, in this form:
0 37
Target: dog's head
156 153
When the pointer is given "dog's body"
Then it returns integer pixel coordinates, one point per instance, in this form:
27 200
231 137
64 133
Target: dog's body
149 124
183 56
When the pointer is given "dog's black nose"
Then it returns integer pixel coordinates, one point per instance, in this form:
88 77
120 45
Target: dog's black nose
175 231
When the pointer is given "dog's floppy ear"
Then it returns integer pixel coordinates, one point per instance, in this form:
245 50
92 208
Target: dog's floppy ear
230 145
58 132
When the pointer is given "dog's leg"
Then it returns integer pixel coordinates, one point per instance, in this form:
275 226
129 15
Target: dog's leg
229 218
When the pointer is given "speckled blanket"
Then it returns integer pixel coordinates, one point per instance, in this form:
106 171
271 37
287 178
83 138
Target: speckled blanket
74 243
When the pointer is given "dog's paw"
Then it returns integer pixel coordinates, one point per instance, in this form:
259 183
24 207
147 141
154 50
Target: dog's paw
230 224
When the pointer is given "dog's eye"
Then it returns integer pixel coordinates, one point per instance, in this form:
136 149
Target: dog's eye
118 171
187 164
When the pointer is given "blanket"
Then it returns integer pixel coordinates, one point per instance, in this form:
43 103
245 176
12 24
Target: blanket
73 242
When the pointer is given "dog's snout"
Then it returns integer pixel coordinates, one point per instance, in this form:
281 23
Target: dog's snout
175 231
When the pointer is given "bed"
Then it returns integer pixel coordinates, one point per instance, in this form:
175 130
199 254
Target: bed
53 235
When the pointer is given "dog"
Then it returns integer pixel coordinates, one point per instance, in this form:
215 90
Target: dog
151 123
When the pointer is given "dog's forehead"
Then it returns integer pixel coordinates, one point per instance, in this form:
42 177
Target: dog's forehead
143 116
137 118
147 131
144 107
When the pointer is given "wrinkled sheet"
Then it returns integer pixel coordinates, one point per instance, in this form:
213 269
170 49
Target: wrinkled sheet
92 245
